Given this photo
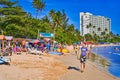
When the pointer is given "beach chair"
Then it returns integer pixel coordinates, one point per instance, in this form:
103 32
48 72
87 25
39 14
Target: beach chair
34 51
5 60
5 52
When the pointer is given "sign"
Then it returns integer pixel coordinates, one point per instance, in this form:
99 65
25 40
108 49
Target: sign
46 35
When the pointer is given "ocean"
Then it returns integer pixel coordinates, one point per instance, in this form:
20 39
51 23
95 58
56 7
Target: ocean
112 54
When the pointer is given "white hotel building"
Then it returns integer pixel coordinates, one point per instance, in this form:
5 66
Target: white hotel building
99 24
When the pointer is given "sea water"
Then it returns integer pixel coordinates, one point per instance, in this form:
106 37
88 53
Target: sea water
112 55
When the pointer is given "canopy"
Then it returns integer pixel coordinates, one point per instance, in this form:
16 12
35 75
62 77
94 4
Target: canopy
9 37
2 37
36 41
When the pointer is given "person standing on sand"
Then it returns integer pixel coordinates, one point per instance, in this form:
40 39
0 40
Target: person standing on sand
76 49
83 55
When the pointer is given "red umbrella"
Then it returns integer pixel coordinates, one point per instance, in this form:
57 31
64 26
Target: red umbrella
36 41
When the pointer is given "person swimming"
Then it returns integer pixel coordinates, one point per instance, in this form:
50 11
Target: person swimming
116 49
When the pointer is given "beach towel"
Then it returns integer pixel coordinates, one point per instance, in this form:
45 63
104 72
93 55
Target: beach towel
4 60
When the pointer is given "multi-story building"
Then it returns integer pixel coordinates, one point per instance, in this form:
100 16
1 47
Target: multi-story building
92 24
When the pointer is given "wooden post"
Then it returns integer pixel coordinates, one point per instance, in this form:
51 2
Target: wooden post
3 44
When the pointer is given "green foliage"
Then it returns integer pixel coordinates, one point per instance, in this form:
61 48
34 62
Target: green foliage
17 23
14 21
39 5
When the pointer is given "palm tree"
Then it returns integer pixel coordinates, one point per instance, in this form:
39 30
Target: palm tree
52 13
64 20
106 29
88 37
99 29
39 5
56 19
111 35
77 32
103 34
71 28
89 26
93 30
96 37
94 26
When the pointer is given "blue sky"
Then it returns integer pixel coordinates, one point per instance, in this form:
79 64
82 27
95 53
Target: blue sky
108 8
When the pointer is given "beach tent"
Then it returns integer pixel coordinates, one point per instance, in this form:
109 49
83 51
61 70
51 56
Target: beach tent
9 38
2 38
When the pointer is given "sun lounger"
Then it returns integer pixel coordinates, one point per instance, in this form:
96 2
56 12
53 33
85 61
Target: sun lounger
4 60
6 52
33 51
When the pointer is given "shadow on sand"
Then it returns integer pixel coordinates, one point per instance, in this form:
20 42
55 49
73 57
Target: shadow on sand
5 64
74 68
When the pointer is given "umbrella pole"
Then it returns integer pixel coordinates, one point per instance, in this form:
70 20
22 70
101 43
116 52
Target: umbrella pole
2 44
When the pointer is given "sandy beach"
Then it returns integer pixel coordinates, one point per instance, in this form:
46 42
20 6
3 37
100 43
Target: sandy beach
92 72
50 67
32 67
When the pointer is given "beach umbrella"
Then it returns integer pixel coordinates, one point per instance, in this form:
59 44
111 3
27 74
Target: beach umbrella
2 37
36 41
9 37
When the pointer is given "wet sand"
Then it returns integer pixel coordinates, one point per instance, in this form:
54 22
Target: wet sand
92 72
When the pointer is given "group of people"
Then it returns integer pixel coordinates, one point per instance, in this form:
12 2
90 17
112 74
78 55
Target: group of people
44 47
83 52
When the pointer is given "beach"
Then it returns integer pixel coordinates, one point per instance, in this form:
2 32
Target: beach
51 67
92 72
32 67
